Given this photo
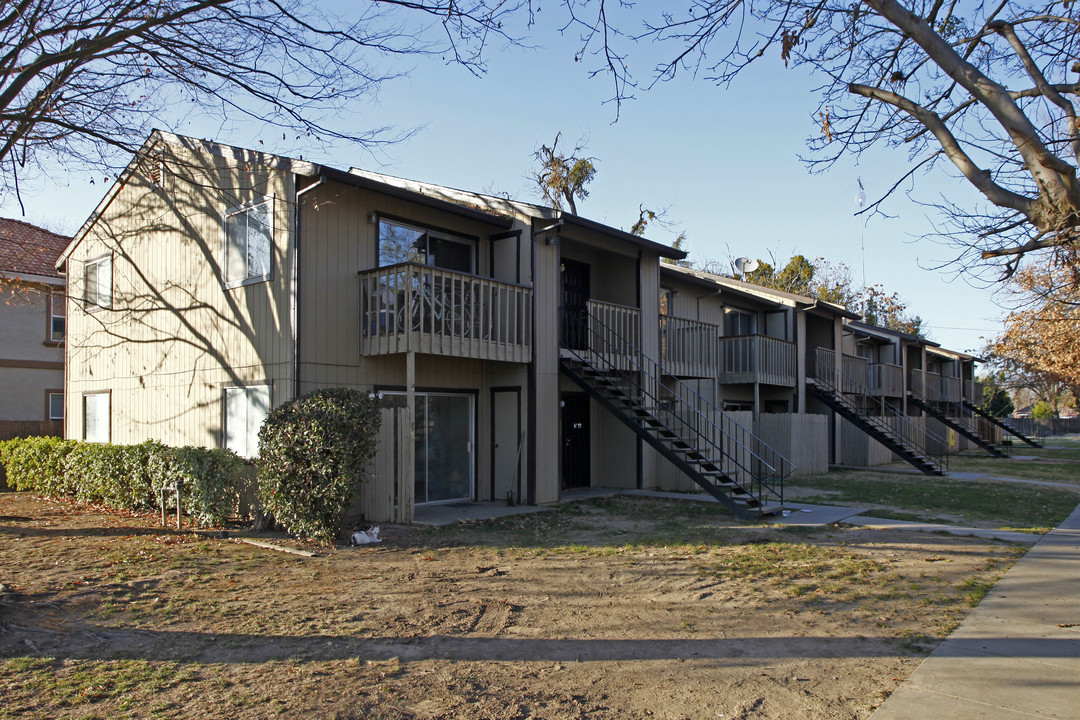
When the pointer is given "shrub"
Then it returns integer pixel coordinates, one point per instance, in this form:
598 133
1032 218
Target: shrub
120 476
313 453
128 477
35 464
212 481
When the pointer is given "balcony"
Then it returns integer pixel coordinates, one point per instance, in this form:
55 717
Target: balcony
417 308
932 386
886 380
973 392
916 383
689 348
856 374
757 358
950 389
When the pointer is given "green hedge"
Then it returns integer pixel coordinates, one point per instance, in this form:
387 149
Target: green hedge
128 477
313 457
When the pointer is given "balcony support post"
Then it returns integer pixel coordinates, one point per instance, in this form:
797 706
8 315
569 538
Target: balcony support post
410 392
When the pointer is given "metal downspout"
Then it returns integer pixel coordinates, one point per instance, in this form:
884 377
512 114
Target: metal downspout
294 283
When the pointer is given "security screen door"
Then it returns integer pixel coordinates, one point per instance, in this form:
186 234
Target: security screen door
444 448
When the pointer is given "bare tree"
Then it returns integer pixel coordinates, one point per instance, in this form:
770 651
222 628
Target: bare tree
982 88
561 178
83 81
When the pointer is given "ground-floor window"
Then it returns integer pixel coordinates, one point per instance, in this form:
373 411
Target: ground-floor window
245 409
443 451
56 405
97 417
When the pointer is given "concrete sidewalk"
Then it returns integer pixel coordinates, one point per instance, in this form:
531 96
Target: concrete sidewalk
1017 655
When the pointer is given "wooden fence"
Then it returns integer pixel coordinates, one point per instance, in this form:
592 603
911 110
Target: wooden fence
1043 427
10 429
802 439
387 496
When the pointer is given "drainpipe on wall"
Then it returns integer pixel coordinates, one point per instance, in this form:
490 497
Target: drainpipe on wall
294 283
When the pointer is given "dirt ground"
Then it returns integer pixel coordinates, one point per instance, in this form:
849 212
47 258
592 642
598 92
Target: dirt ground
624 608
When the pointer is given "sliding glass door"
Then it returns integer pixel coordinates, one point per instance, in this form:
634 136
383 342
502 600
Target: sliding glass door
444 447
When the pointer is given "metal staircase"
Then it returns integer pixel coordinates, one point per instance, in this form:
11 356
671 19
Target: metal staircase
722 457
990 418
881 420
951 413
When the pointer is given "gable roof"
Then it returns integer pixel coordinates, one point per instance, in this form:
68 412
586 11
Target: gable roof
302 168
27 249
758 292
495 211
505 206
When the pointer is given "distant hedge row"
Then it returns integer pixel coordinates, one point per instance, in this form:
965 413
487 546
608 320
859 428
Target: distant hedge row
128 477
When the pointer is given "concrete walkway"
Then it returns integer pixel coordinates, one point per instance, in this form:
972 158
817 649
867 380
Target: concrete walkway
794 514
1017 655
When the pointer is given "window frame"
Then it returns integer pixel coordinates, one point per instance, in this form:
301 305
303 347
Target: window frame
49 395
739 316
108 420
246 389
248 279
470 242
51 316
93 302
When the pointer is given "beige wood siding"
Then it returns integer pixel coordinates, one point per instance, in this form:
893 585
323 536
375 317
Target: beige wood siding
337 240
547 440
175 335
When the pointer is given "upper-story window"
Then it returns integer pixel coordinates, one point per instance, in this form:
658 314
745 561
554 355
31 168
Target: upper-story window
400 243
57 316
249 233
97 283
738 322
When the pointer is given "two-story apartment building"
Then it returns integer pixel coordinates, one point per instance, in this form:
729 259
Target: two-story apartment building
518 351
32 315
213 283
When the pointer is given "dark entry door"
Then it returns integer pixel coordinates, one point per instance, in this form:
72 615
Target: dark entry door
575 283
575 433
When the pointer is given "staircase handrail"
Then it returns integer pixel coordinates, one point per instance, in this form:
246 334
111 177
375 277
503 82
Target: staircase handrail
956 411
907 431
778 468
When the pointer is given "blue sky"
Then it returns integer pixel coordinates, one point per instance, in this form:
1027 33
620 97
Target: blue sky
724 161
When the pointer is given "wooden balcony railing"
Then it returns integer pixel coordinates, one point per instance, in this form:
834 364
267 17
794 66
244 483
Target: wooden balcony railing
932 386
411 307
689 348
856 375
611 326
757 358
950 389
886 379
973 392
916 382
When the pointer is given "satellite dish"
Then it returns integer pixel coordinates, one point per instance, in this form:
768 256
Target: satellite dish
746 265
